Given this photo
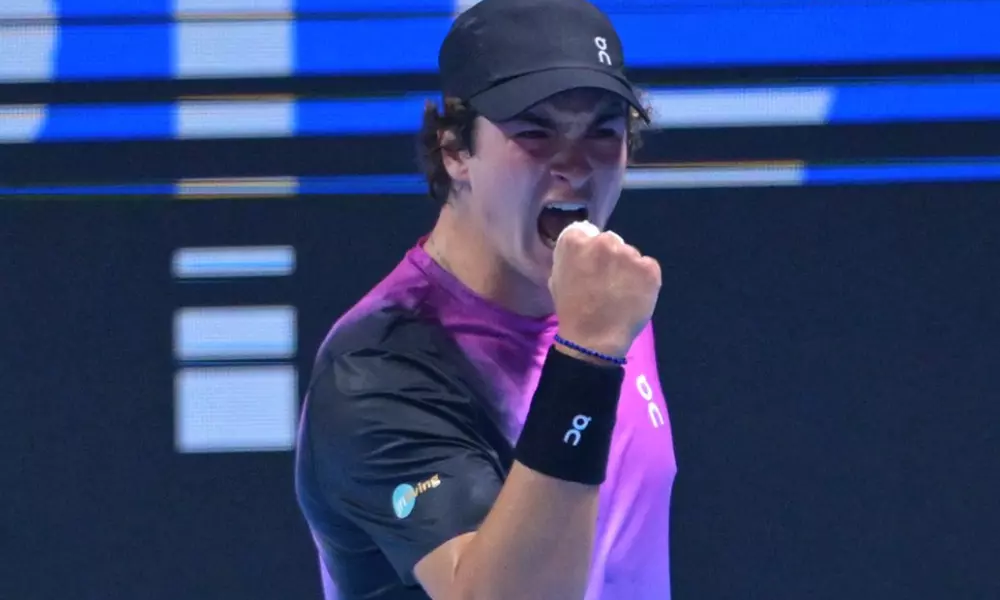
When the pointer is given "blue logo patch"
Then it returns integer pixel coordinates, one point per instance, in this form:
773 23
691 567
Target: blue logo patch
404 498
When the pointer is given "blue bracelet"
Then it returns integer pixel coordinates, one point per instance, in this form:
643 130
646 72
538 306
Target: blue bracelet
612 359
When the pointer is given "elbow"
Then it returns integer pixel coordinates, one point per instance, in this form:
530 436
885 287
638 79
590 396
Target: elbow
502 586
465 585
471 583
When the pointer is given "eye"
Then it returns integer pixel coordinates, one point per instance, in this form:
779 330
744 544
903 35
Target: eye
605 133
533 134
608 128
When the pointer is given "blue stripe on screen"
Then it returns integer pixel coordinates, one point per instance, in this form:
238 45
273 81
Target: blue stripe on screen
375 6
876 102
152 189
809 34
958 170
114 52
112 8
369 46
819 34
369 116
364 185
108 122
164 8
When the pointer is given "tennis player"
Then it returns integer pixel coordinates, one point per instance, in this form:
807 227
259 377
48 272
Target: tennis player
487 422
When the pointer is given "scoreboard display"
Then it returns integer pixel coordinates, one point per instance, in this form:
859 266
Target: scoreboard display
165 95
209 99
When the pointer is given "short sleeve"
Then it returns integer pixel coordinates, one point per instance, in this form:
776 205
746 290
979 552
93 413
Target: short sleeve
397 447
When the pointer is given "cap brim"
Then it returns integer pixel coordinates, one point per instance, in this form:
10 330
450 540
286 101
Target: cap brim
508 99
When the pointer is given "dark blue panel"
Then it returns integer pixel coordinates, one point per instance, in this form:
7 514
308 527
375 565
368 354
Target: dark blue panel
106 52
108 122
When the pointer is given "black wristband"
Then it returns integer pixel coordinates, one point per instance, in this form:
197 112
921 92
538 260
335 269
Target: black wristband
567 434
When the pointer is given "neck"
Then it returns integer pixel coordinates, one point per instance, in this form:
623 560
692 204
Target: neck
465 251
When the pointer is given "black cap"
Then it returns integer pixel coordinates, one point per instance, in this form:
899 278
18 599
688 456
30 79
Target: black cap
505 56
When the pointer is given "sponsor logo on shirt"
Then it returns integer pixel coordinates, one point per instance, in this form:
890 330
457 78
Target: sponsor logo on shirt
646 391
404 497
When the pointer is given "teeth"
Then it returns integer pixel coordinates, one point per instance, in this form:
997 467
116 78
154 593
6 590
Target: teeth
568 206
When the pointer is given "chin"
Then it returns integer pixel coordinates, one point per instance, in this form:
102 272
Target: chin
543 266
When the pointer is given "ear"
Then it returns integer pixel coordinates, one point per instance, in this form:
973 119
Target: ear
456 162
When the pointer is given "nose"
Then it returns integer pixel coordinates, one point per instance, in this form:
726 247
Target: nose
572 165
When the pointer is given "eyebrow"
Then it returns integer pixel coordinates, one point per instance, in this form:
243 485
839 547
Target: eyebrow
607 114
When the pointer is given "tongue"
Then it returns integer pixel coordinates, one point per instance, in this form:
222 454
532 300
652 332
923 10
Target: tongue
552 221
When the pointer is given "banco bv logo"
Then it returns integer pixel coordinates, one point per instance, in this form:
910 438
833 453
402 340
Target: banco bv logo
404 497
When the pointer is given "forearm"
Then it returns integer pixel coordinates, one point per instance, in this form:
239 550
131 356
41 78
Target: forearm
536 542
538 538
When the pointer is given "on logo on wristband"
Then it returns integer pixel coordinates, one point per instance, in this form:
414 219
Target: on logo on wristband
580 423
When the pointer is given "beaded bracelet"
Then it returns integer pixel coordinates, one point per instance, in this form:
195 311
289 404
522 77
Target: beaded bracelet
612 359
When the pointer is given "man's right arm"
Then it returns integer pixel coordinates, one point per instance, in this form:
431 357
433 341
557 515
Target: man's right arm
536 543
537 540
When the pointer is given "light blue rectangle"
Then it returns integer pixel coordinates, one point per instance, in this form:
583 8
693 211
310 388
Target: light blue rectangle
235 408
28 52
233 262
27 9
21 124
233 49
736 176
235 333
221 119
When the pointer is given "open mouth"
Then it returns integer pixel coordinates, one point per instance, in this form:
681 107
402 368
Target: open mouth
558 216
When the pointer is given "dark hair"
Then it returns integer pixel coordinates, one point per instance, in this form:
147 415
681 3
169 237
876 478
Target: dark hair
459 118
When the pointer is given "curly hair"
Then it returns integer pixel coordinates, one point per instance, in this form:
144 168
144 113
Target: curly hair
459 119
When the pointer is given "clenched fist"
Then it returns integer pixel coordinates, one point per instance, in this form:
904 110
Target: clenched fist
604 290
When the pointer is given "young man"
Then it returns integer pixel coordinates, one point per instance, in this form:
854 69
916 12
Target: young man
487 423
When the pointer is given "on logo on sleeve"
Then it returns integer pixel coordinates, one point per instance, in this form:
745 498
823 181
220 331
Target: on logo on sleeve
404 497
646 392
